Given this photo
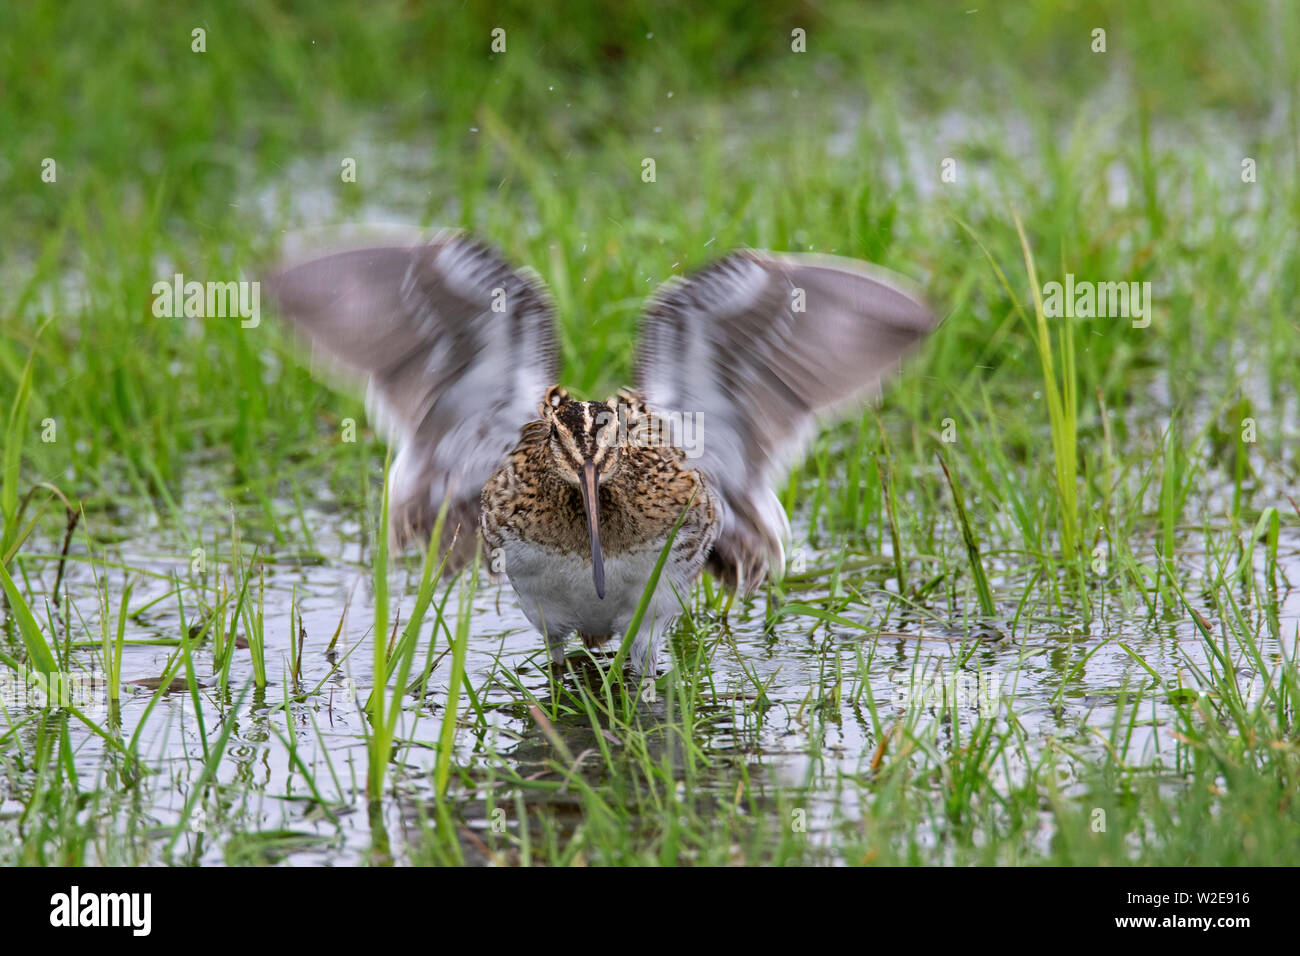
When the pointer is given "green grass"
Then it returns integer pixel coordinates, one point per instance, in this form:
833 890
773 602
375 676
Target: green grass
1101 516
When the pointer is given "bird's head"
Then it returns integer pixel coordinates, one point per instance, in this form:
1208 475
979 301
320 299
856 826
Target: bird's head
586 451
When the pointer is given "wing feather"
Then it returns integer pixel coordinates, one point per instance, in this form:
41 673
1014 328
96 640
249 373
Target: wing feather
457 348
762 346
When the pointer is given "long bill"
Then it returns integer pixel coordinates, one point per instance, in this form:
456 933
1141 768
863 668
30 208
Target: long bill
591 502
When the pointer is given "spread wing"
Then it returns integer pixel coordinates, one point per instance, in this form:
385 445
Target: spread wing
458 348
761 346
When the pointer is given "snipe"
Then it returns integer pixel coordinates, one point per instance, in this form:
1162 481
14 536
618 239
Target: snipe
575 500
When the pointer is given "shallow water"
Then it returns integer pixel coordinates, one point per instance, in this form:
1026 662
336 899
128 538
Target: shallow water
809 735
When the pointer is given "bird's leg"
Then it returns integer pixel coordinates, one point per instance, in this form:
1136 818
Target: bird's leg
643 656
554 638
731 599
555 644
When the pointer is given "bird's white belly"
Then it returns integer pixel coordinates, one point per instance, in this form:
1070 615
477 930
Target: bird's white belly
558 596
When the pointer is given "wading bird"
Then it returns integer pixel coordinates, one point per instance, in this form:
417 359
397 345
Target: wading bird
576 500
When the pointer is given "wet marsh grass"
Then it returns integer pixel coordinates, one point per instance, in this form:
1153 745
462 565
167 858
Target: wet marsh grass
1033 497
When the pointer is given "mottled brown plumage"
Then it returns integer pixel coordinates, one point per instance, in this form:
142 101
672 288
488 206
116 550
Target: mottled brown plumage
639 503
535 519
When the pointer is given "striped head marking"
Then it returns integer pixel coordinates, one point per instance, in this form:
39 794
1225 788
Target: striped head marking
584 446
584 432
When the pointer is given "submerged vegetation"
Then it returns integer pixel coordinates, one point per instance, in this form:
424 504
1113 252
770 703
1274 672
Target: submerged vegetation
1041 603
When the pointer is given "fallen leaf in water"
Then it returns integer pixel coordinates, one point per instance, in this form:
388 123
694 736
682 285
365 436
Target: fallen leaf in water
153 683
